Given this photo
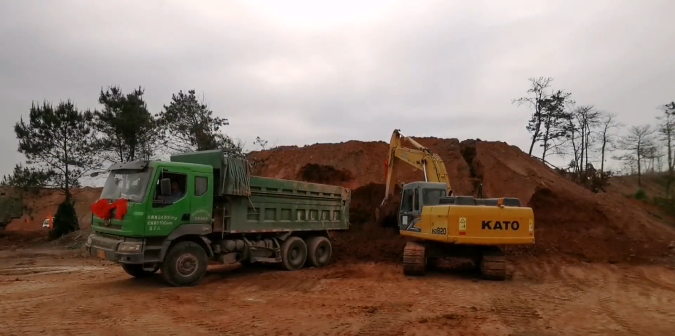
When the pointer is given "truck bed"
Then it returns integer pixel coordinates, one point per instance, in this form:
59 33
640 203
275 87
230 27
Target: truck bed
278 205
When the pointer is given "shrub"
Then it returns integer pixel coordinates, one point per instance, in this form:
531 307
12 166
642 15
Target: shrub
640 194
590 179
65 220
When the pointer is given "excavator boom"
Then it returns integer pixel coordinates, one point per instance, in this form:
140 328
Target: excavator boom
419 157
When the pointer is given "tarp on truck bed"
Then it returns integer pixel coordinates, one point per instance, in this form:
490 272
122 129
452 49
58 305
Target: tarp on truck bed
237 177
232 173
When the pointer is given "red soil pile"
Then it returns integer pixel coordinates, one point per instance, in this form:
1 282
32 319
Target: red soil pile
368 242
317 173
569 219
360 162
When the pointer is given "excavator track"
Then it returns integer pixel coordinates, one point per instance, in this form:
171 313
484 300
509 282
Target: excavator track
414 259
493 265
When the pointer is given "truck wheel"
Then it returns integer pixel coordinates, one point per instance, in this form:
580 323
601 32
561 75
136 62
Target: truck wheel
293 254
137 271
185 264
319 251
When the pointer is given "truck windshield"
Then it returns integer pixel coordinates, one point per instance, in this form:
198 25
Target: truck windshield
127 184
432 196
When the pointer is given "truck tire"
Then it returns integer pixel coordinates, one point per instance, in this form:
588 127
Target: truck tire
293 254
185 264
319 251
137 271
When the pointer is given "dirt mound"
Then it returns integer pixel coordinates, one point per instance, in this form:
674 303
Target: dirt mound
317 173
14 239
368 242
72 240
364 162
569 219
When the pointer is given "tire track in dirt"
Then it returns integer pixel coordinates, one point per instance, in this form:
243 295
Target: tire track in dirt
607 303
366 299
517 314
76 300
656 278
566 290
385 319
639 294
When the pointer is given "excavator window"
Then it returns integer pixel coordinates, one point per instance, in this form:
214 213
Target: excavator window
416 200
432 196
407 200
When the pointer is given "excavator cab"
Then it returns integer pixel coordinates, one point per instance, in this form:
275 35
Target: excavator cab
414 196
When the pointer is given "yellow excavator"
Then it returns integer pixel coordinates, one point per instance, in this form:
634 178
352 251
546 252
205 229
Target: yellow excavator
441 224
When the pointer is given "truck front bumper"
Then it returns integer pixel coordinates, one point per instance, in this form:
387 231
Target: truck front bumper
123 250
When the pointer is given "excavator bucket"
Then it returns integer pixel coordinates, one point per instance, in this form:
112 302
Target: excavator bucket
386 215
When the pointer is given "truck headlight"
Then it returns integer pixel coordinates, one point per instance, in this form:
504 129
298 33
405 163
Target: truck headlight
129 247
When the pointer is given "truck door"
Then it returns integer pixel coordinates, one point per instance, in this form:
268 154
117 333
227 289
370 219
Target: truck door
410 210
202 202
168 212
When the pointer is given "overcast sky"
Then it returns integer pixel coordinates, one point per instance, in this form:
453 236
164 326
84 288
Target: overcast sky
300 72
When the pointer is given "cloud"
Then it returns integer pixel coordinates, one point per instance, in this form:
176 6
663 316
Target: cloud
299 72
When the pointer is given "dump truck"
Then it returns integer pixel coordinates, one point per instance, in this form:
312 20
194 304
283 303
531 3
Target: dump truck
177 216
10 208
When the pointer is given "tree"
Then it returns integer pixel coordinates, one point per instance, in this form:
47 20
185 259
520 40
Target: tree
128 129
639 145
28 178
65 220
260 142
608 136
189 125
587 118
554 120
547 112
667 131
60 141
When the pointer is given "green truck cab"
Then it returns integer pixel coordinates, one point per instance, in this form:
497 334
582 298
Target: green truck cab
205 206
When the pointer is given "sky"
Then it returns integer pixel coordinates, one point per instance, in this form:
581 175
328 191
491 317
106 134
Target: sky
298 72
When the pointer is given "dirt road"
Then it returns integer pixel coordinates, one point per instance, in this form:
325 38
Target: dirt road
55 293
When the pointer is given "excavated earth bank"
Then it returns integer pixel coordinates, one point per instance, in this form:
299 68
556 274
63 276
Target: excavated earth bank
570 220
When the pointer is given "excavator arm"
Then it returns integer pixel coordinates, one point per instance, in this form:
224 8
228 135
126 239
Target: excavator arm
419 157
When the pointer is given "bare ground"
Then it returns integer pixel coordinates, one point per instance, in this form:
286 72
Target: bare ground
61 293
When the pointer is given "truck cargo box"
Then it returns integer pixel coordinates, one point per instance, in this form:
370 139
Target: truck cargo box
245 203
277 205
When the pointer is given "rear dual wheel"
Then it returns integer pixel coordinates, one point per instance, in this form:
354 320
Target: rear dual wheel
320 251
295 252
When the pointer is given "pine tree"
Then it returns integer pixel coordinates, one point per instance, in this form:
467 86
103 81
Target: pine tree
60 142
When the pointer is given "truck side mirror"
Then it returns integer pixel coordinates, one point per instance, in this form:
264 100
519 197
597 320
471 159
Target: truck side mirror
165 187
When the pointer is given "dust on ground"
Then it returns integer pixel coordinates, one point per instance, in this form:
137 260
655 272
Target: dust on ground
59 292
